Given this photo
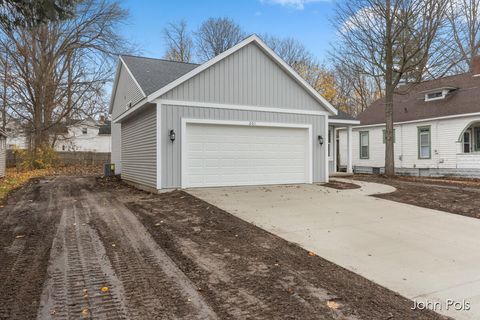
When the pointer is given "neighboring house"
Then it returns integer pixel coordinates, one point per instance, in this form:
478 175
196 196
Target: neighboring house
16 137
3 153
84 135
437 129
242 118
72 135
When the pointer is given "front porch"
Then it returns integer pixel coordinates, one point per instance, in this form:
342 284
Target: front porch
336 124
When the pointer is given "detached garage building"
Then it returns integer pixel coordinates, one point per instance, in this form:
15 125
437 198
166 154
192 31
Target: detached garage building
242 118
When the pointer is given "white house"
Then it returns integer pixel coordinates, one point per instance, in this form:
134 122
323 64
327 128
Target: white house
85 135
72 135
437 129
16 137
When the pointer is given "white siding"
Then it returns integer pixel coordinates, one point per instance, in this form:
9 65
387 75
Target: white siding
77 141
445 148
139 148
127 91
247 77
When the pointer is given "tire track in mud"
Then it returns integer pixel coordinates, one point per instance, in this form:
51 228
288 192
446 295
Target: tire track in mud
26 225
78 270
99 243
153 283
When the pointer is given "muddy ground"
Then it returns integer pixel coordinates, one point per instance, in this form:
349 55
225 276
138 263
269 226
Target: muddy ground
80 248
459 196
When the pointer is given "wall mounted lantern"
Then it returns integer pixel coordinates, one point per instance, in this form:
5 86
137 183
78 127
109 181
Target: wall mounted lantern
172 135
320 140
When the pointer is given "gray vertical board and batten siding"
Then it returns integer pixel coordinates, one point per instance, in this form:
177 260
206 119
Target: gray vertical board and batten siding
139 148
171 118
247 77
127 91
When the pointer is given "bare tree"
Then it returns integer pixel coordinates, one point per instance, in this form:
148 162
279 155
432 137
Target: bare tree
217 35
179 42
355 92
59 69
464 21
292 51
393 40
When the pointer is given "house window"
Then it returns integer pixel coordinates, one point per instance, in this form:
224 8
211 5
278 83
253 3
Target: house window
364 145
385 137
424 143
467 141
477 138
434 96
63 147
84 130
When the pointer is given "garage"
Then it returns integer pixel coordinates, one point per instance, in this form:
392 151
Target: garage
242 118
217 153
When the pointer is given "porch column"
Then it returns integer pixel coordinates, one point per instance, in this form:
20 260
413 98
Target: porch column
334 148
349 149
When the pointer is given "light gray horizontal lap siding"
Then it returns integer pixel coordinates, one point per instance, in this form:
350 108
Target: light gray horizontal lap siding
127 91
139 148
247 77
171 118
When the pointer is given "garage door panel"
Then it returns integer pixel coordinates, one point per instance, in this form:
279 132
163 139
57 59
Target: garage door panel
228 155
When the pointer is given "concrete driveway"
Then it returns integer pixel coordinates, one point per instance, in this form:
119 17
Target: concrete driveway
426 255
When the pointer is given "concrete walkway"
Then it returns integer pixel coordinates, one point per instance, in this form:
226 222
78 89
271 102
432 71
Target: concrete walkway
425 255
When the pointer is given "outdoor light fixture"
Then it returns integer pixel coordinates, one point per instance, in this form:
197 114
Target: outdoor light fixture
320 140
172 135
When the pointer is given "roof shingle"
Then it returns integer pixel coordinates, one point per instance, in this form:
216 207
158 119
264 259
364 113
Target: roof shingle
153 74
412 106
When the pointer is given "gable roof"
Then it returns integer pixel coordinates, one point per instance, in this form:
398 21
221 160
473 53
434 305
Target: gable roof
342 116
148 75
463 98
152 74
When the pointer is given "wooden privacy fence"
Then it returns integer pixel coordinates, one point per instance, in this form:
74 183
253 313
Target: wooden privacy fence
68 158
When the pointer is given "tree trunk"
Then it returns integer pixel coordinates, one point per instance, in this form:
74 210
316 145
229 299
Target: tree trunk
389 90
389 151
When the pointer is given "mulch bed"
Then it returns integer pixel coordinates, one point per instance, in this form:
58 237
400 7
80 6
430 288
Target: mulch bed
340 185
245 272
458 196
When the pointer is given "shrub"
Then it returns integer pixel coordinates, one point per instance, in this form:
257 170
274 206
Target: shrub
44 157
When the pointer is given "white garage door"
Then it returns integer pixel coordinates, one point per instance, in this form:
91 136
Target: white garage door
233 155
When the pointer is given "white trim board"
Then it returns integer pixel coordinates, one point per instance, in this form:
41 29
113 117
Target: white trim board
342 121
183 142
130 111
465 115
182 103
159 145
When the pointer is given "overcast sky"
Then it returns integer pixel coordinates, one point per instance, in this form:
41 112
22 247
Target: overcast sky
306 20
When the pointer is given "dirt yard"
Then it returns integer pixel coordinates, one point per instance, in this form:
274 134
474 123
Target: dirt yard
459 196
74 247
